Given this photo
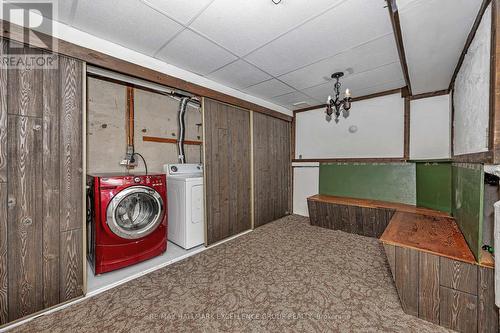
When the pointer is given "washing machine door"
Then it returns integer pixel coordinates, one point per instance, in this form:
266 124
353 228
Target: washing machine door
135 212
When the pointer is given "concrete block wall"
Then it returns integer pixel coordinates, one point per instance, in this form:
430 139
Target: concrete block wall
155 115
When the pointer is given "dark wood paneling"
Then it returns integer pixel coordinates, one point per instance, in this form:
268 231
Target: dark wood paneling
406 278
390 252
4 278
44 169
458 310
70 143
25 88
3 116
430 94
458 275
18 33
50 181
398 35
71 275
406 144
487 310
24 215
271 149
355 99
227 170
428 284
370 222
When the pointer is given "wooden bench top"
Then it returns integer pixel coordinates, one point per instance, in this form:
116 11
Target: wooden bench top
368 203
433 234
413 227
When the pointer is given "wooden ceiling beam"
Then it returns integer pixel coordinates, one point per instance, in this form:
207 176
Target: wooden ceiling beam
355 99
398 35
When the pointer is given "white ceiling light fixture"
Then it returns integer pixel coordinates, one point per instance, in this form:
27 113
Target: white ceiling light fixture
337 104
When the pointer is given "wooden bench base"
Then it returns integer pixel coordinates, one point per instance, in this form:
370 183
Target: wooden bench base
447 292
436 275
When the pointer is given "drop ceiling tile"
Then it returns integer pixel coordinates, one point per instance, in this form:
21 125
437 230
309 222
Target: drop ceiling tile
269 89
181 10
288 100
357 60
381 87
194 53
349 24
360 83
129 23
64 11
242 26
426 27
239 75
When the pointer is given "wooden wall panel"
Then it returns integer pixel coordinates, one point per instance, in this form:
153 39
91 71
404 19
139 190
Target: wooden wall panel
390 252
458 310
428 284
227 170
406 276
50 183
71 275
3 116
24 215
487 310
458 275
41 213
370 222
272 173
4 306
25 88
71 143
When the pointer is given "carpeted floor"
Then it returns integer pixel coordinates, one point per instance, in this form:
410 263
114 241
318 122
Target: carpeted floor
285 276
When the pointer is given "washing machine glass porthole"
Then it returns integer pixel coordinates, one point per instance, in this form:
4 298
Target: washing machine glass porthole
135 212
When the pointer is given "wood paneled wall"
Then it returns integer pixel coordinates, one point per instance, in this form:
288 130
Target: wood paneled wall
227 170
41 259
447 292
271 160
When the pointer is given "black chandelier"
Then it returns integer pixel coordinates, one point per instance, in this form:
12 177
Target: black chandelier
336 104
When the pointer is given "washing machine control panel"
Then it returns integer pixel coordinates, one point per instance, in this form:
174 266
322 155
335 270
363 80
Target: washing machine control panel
150 180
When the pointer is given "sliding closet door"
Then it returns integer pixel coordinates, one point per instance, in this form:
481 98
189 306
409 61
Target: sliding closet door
271 140
227 170
41 256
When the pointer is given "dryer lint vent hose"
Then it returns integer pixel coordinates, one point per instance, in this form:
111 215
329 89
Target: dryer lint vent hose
182 129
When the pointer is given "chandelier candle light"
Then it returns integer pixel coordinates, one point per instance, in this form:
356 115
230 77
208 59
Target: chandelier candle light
340 105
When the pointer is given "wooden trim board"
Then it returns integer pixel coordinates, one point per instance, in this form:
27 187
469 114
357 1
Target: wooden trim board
396 27
361 159
169 140
355 99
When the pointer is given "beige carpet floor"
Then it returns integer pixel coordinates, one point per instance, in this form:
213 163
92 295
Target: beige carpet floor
286 276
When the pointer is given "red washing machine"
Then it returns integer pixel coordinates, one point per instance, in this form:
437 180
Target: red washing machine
126 219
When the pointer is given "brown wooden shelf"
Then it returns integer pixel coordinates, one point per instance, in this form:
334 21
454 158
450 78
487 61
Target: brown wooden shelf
169 140
437 235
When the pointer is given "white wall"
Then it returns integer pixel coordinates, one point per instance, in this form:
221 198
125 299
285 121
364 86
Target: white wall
472 92
378 124
305 184
430 126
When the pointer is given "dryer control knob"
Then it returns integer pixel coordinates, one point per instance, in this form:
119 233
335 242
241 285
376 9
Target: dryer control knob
137 180
174 168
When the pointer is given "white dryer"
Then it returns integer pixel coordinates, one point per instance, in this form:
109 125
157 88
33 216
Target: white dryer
185 204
